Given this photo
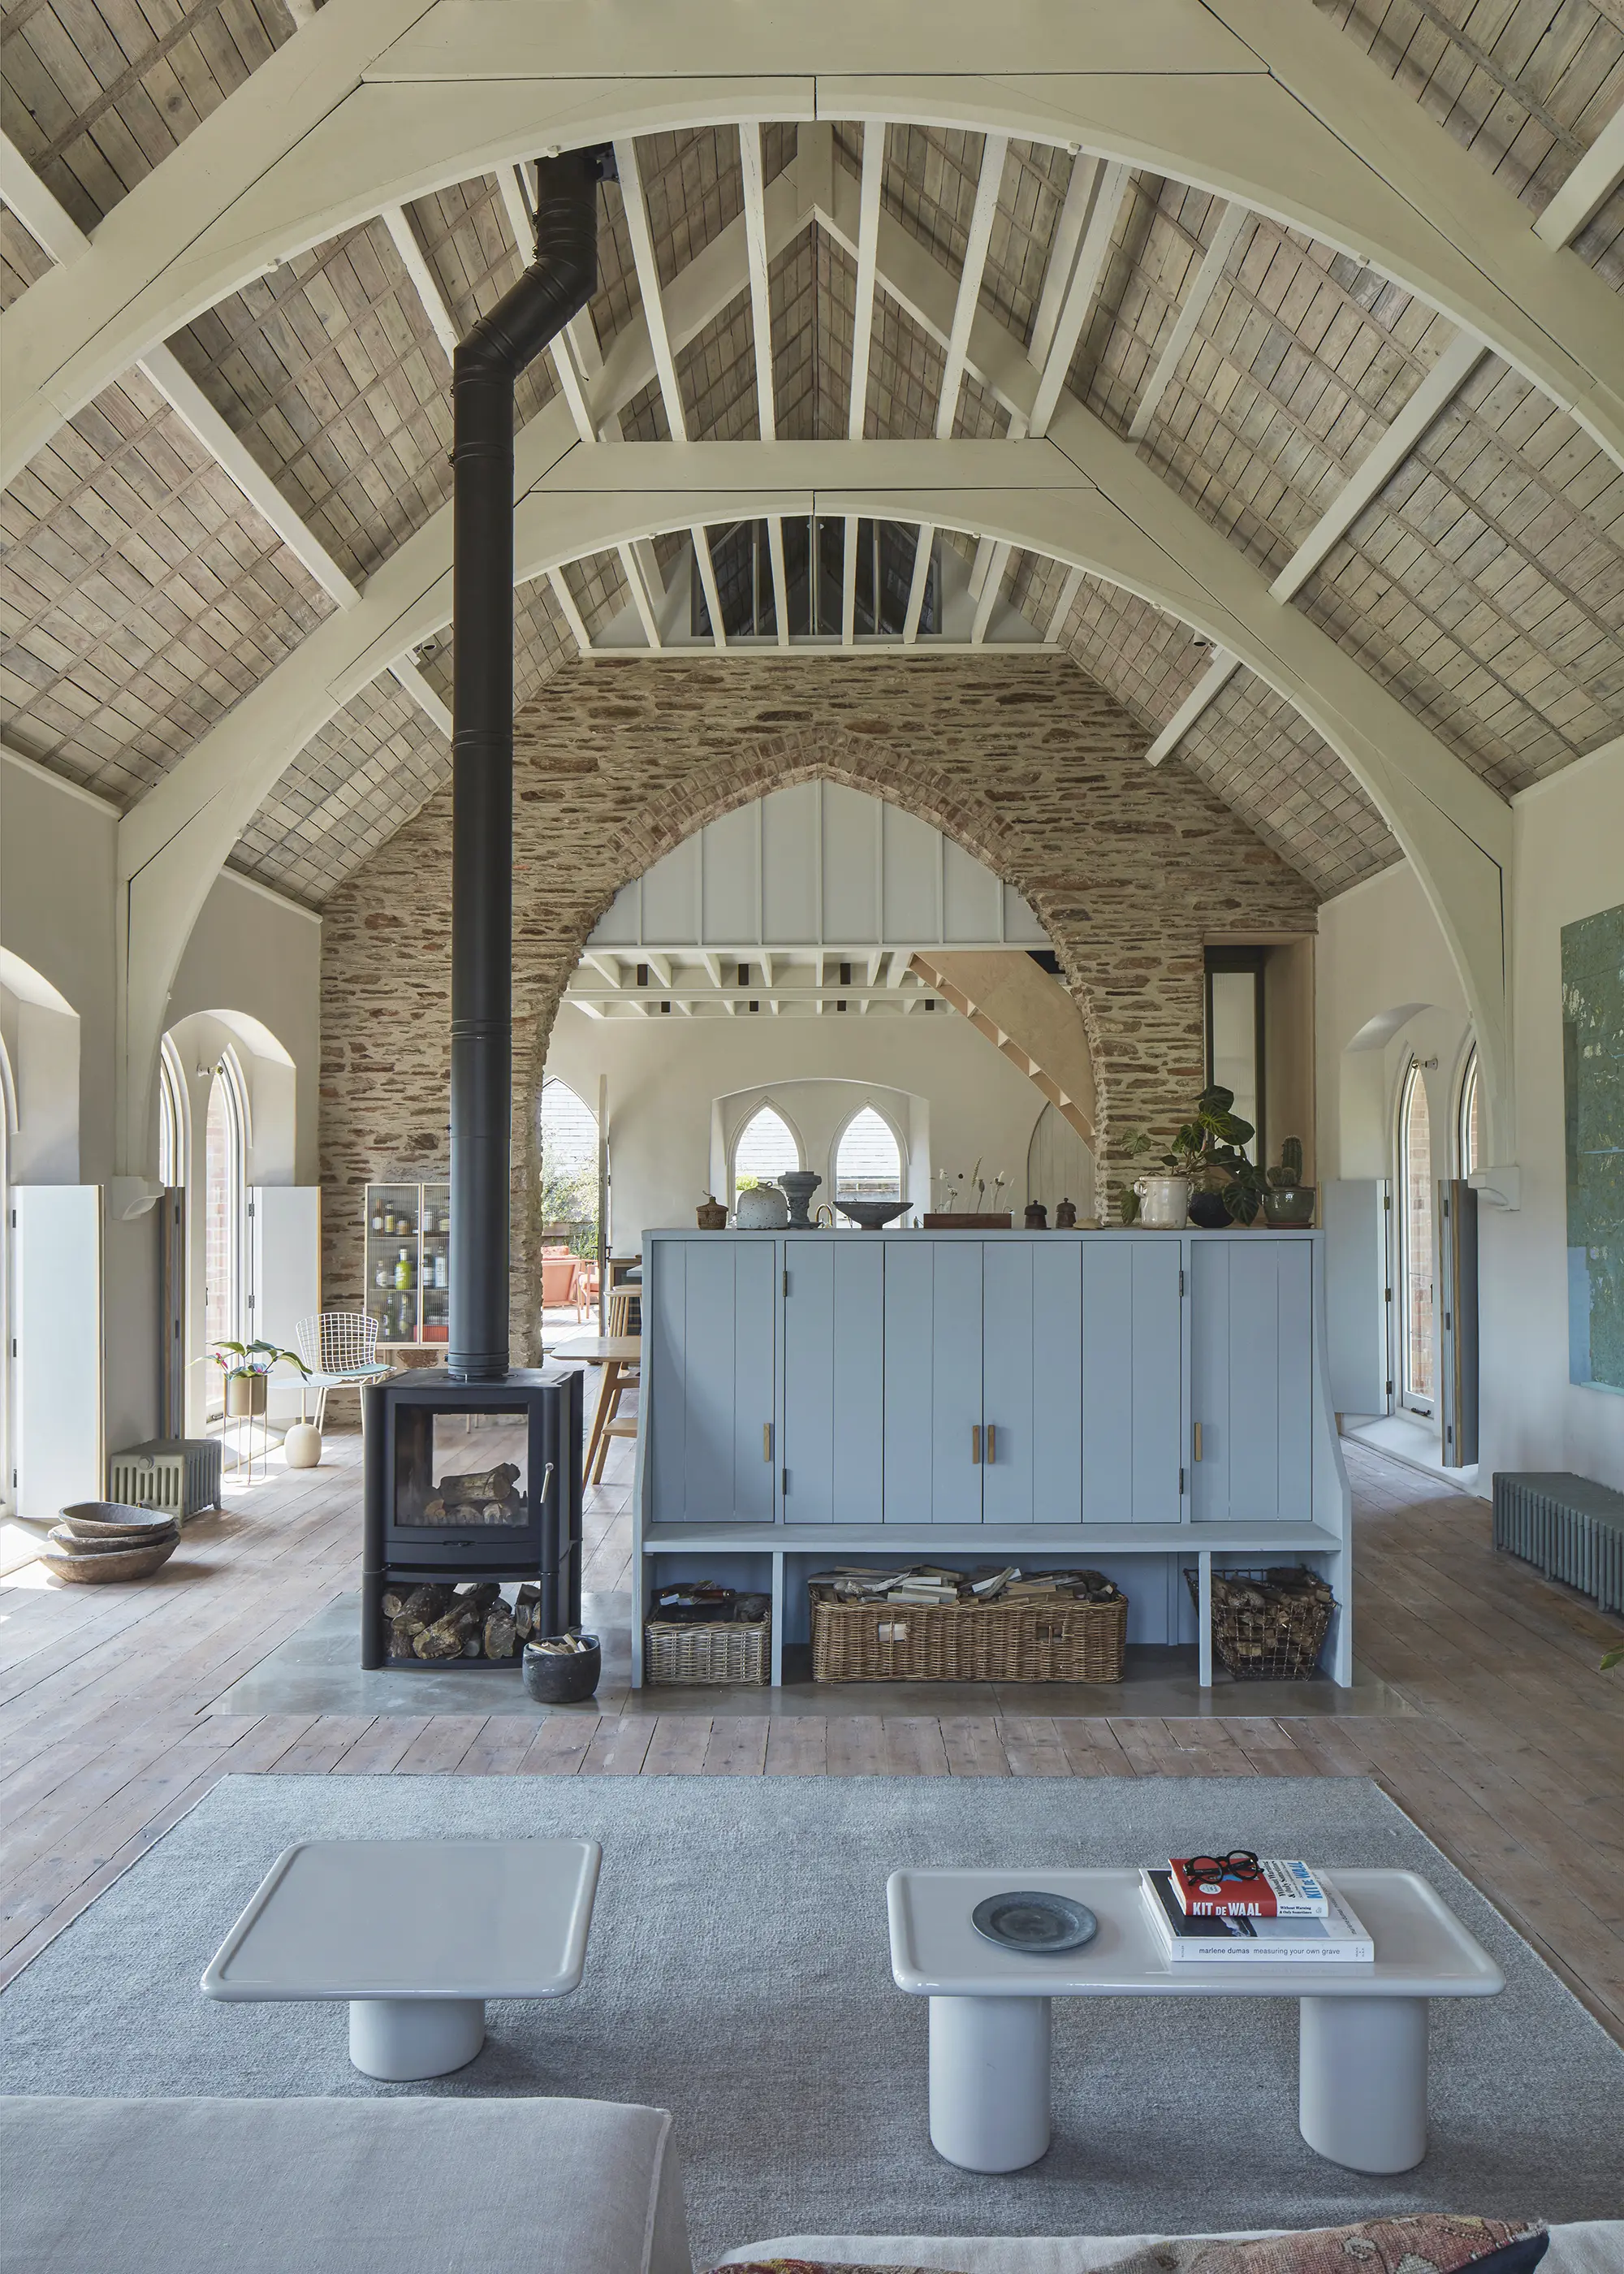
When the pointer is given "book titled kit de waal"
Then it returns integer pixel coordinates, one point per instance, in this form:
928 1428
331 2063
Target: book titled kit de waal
1337 1938
1281 1890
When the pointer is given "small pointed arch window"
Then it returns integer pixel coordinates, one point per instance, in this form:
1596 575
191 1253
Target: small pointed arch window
1468 1122
868 1159
763 1149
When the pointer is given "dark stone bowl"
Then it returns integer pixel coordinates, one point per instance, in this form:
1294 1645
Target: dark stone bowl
560 1678
873 1215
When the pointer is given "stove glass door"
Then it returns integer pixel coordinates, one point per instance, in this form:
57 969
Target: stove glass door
457 1470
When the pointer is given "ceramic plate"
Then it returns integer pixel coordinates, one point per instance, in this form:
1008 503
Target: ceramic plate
1037 1923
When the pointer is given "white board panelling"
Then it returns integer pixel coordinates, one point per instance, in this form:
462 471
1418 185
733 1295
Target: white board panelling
818 863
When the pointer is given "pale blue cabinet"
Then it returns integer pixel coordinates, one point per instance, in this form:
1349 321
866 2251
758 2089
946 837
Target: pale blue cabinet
1032 1340
933 1380
1251 1332
1131 1314
712 1376
832 1454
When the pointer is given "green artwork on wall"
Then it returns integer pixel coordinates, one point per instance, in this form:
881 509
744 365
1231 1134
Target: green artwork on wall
1593 1098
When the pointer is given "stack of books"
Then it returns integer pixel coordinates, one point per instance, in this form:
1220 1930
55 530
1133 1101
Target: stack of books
1286 1916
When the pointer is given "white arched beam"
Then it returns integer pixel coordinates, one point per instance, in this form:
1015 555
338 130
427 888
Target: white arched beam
1080 497
1280 113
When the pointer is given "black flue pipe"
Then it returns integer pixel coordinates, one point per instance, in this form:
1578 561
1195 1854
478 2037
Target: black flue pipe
484 372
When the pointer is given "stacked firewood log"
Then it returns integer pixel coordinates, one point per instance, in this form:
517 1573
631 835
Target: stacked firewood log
475 1620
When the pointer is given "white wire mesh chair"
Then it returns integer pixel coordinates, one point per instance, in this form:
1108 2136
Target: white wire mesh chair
341 1350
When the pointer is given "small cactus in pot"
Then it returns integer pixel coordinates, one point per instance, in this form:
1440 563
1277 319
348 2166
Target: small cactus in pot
1287 1199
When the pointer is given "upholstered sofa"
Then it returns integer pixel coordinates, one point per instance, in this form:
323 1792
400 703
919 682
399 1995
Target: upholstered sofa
423 2187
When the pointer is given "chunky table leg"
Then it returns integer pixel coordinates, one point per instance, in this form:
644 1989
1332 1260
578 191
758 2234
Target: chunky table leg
989 2080
403 2039
1362 2081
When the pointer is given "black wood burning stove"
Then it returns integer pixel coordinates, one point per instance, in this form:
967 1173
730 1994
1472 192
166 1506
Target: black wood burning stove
467 1483
473 1475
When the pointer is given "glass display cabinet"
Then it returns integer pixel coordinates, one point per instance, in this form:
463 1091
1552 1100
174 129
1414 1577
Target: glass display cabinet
409 1264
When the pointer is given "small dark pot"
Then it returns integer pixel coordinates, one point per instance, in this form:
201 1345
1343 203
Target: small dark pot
560 1678
1289 1204
1207 1211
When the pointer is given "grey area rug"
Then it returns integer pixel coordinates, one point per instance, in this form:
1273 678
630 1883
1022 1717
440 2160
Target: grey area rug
737 1975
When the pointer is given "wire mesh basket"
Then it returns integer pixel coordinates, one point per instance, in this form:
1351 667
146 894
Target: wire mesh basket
1269 1625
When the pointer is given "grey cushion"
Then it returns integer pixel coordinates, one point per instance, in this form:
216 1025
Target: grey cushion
338 2186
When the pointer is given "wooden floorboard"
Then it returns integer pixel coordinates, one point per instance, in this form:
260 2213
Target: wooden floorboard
1512 1760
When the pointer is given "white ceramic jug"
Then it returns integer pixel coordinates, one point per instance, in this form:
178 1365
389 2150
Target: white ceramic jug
1164 1201
761 1207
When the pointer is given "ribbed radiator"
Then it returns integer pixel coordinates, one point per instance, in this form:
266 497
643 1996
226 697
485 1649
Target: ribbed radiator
1572 1528
180 1475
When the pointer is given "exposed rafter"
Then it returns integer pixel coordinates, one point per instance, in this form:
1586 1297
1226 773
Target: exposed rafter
753 170
1191 310
1110 188
867 247
1062 607
404 236
982 214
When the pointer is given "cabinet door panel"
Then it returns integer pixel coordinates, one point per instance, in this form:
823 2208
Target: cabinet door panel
1132 1374
933 1380
1031 1379
712 1382
834 1381
1252 1359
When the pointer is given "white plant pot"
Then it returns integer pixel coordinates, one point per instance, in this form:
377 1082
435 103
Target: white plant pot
302 1446
1164 1201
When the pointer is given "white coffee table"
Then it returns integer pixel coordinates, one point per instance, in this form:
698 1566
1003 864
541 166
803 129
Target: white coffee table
1362 2032
416 1934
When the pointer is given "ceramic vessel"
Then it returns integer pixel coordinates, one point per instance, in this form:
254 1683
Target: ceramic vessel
798 1186
761 1207
1164 1201
302 1446
245 1395
69 1564
554 1678
873 1215
711 1215
1207 1211
1037 1216
1291 1204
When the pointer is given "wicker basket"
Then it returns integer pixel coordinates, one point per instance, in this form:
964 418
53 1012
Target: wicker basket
1066 1640
1271 1625
677 1653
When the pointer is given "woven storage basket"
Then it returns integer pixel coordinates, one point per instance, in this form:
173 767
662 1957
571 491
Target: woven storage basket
1269 1626
678 1652
1063 1640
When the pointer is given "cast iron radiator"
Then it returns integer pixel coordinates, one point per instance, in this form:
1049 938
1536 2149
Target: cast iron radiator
1572 1528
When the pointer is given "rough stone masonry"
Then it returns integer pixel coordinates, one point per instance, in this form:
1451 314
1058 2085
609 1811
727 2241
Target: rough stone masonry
1132 868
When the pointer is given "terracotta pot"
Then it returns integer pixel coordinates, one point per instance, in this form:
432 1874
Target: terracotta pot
246 1395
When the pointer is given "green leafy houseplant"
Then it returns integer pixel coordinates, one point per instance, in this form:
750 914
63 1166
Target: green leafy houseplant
1207 1150
245 1365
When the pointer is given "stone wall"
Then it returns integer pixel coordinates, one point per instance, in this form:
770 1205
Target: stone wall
1031 766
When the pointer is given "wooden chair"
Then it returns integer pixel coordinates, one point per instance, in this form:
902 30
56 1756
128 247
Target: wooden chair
622 1311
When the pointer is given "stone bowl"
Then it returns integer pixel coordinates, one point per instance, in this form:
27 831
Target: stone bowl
74 1543
81 1563
873 1215
561 1678
112 1519
1289 1204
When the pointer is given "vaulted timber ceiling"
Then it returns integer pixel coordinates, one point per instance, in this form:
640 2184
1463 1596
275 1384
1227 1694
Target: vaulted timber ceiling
1255 369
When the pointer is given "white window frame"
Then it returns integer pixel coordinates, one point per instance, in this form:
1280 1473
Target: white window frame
1466 1095
228 1072
763 1104
174 1121
868 1105
1405 1399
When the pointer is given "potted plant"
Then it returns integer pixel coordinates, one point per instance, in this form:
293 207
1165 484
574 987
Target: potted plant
247 1367
1286 1198
1220 1184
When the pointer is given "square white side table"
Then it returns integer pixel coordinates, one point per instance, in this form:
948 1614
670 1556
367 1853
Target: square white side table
416 1935
1362 2029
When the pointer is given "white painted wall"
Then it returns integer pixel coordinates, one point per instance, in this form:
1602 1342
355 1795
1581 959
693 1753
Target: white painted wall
1386 980
250 953
664 1076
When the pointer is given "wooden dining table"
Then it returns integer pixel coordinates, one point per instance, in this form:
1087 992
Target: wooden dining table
618 1355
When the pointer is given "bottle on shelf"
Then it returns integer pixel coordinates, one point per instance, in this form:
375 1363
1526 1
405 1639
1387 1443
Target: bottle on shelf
377 1217
403 1269
380 1278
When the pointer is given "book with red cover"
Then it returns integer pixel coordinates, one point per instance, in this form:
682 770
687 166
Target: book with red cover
1281 1890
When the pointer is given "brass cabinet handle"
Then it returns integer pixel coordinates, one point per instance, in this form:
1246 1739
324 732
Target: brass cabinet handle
975 1444
1197 1440
992 1441
766 1440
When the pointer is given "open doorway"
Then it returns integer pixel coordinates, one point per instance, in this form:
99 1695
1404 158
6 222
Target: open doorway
571 1197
